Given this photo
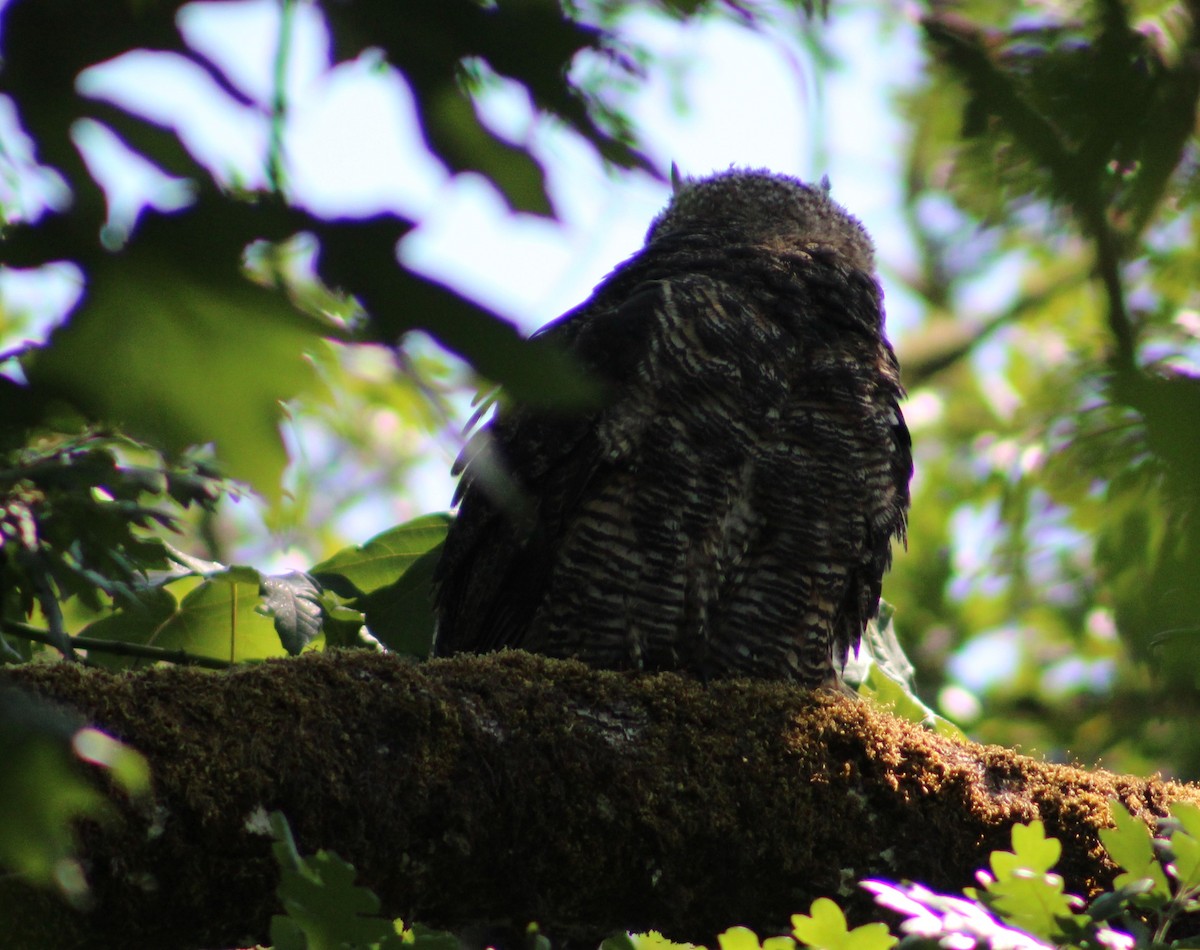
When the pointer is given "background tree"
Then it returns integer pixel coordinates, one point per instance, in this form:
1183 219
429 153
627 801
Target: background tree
1052 160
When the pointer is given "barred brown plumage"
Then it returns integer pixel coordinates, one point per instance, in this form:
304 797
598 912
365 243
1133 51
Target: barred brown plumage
729 510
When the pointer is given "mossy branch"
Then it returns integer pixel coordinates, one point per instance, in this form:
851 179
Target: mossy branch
510 788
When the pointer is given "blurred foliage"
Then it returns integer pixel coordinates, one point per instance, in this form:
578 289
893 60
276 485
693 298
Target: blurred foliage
45 790
1051 181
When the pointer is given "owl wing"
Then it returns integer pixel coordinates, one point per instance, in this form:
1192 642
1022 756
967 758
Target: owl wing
522 477
799 472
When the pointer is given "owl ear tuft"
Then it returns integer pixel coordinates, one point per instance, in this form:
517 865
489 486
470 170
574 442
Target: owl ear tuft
677 179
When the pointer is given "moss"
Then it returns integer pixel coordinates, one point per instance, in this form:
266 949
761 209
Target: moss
509 788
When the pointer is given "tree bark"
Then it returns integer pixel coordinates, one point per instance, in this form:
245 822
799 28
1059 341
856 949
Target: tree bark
498 790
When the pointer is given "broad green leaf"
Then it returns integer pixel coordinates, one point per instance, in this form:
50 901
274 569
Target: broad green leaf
651 940
825 927
1023 892
420 937
384 558
322 898
43 794
138 624
1128 844
1033 902
400 615
286 934
887 692
221 618
469 143
182 353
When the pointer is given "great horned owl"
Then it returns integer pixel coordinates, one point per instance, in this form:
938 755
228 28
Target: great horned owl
730 509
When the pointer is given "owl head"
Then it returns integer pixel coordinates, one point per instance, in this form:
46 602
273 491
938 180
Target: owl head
759 206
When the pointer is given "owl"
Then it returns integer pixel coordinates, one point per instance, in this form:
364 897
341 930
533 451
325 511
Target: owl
728 509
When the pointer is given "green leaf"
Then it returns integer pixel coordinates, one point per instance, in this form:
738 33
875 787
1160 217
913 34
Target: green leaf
324 907
139 622
1032 851
900 701
421 937
738 938
286 934
400 615
1128 844
221 618
651 940
128 767
181 354
1185 845
825 927
293 602
1023 891
384 558
458 130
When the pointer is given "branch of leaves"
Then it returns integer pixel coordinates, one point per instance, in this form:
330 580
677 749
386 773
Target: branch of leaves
212 615
79 517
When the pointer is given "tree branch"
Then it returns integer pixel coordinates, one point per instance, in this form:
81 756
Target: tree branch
513 788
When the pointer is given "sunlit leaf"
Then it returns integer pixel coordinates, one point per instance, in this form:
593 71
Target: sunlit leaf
293 602
1023 891
400 615
1185 844
127 766
1128 844
825 927
738 938
385 557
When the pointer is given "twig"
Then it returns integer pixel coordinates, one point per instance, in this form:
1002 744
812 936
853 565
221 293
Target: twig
26 632
279 104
